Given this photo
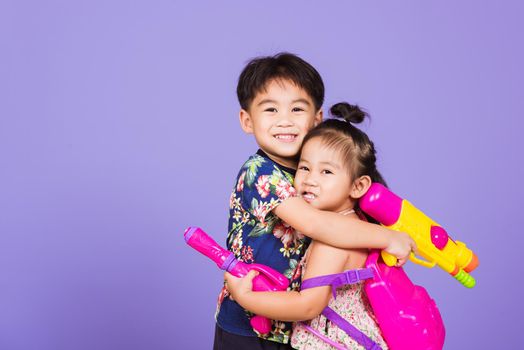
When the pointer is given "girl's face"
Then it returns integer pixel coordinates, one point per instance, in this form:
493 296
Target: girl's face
322 178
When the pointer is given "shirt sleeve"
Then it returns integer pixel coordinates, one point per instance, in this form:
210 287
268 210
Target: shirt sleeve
265 186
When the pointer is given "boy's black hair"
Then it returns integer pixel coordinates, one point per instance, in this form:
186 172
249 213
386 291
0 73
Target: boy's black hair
261 70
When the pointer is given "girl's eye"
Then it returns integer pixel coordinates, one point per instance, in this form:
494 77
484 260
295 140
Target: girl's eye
303 168
271 109
327 171
297 109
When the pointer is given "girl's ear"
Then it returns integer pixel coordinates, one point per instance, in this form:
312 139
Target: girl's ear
246 123
360 186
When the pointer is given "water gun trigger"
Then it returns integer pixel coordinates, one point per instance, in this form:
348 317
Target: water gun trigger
422 262
280 281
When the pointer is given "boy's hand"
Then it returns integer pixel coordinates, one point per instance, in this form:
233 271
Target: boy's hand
400 246
239 286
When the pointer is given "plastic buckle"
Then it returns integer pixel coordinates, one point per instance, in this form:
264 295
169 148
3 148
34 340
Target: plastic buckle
352 276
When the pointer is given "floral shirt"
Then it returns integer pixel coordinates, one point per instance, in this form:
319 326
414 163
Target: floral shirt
258 235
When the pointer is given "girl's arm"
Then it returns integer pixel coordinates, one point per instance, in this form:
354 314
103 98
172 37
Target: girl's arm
342 231
292 306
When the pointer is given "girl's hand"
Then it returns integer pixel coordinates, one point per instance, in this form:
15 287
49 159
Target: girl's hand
400 246
239 286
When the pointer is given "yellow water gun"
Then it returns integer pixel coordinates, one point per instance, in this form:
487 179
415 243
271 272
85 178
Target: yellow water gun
433 242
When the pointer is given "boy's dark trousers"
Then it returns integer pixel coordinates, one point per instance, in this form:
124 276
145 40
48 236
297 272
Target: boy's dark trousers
228 341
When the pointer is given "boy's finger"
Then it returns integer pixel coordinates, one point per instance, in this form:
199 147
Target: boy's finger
414 248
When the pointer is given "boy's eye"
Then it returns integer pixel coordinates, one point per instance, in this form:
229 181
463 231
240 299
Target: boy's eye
297 109
270 109
325 171
303 168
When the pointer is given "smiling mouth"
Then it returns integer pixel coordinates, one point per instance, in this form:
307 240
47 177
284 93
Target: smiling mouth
286 137
309 197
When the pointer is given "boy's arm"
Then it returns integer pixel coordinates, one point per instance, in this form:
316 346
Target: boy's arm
292 305
341 231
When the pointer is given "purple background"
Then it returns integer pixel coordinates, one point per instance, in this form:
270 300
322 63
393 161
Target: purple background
118 129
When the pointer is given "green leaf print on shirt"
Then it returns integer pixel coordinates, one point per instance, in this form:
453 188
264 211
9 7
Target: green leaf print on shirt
251 167
292 266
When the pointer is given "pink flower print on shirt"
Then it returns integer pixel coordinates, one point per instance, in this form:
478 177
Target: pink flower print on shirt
247 254
284 189
232 199
285 233
237 243
263 186
260 213
240 183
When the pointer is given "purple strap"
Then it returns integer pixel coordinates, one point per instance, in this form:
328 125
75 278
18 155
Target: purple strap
347 327
336 280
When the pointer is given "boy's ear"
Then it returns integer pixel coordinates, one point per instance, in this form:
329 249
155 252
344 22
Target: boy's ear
318 117
246 123
360 186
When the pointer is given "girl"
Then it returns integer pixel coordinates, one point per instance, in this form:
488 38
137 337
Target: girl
336 168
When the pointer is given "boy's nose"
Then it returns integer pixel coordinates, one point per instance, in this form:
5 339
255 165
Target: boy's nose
284 123
285 120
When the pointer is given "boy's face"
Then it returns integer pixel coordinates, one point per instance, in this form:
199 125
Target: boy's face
279 117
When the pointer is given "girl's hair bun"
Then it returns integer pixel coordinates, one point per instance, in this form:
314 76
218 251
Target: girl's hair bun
350 113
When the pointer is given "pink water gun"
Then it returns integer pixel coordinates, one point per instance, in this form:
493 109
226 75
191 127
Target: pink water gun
267 279
433 242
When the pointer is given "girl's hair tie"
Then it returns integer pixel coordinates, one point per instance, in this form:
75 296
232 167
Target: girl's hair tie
350 113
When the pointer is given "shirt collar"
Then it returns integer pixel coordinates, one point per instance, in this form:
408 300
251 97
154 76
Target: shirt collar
282 167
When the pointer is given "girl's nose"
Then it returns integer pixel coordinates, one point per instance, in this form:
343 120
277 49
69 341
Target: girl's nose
310 181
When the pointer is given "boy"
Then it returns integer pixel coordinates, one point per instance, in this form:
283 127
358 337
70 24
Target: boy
281 98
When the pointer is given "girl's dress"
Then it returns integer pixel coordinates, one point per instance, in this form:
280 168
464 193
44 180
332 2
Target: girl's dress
352 304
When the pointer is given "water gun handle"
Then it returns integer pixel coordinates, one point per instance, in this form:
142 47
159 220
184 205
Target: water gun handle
267 280
277 280
391 260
